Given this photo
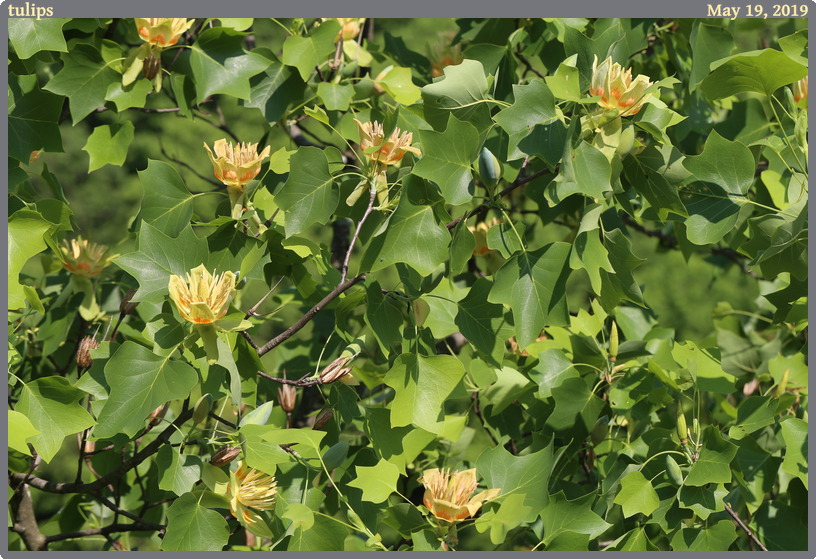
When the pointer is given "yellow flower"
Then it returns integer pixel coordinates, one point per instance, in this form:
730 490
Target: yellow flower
84 258
449 498
162 32
800 90
480 235
250 489
349 27
442 54
392 151
237 165
617 89
202 299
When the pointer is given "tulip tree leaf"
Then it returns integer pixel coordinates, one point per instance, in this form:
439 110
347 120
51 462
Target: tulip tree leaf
25 239
422 384
779 527
718 537
327 534
158 257
526 475
708 43
753 413
29 36
192 527
724 173
167 204
309 195
712 466
19 430
383 317
634 540
377 482
533 285
109 145
703 500
552 369
231 249
220 64
304 53
447 157
133 95
460 93
178 473
401 445
600 45
795 433
637 495
534 105
52 406
622 284
657 172
482 323
84 79
140 381
574 403
33 121
335 96
399 85
562 515
762 71
275 89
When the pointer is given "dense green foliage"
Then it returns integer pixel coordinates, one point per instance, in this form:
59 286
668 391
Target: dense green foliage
584 289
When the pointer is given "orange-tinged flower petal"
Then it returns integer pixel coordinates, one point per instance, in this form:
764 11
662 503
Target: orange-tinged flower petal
236 165
391 151
617 89
202 298
162 32
84 258
449 497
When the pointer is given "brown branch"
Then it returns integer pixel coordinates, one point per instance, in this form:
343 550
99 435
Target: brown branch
24 522
125 513
356 233
742 525
527 64
478 411
292 330
111 529
222 420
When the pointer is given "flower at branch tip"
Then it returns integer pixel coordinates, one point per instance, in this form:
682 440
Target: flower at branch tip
287 395
84 258
162 32
83 356
202 298
617 89
800 90
251 489
349 27
480 235
392 151
442 54
237 165
449 497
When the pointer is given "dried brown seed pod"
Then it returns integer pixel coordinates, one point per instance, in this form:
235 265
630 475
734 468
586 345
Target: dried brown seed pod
225 455
83 357
287 395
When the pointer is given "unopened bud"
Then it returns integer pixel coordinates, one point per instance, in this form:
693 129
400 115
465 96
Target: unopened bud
202 408
681 424
323 418
599 431
90 446
125 307
35 155
225 455
83 357
151 67
335 370
673 471
158 414
287 395
490 168
783 384
613 342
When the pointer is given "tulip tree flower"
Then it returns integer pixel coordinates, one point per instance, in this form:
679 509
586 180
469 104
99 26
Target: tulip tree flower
617 89
449 498
204 300
157 33
236 166
442 54
349 27
83 260
250 489
800 90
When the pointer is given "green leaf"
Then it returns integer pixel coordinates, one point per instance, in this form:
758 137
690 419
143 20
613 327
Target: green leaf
552 369
753 413
795 433
304 53
84 79
526 475
562 515
533 285
52 406
301 516
724 172
584 170
461 247
177 473
191 527
708 43
447 157
33 122
165 332
707 372
400 446
637 495
759 471
460 93
140 382
574 403
509 516
633 540
482 323
231 249
275 89
601 46
534 105
703 500
712 465
779 527
327 534
29 36
796 46
134 95
220 65
109 145
506 238
309 194
415 236
158 257
335 96
762 71
377 482
399 85
565 83
404 518
657 172
383 317
422 384
20 430
237 23
718 537
25 239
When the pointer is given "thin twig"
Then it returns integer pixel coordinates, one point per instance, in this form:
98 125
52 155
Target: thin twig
356 233
222 420
478 411
742 525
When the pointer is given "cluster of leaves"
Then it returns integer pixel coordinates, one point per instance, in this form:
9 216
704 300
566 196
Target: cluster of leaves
467 353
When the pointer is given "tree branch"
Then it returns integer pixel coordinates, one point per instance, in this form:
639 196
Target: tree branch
742 525
357 232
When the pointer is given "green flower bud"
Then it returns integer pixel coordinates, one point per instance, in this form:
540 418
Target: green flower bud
681 424
490 168
791 100
801 129
627 140
673 471
202 408
783 384
613 342
599 431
